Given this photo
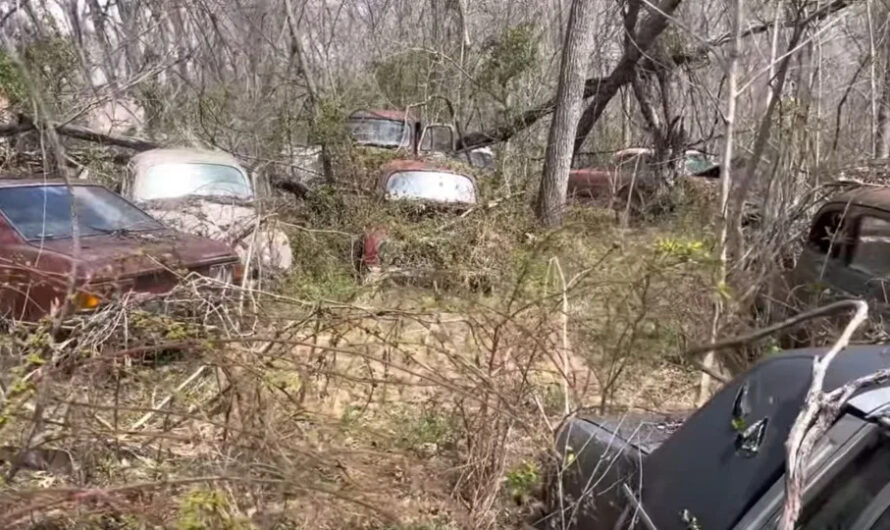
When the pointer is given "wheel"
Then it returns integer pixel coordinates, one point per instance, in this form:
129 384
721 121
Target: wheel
635 197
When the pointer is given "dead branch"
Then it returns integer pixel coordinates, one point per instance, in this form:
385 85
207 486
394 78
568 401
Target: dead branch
603 89
81 133
819 411
756 335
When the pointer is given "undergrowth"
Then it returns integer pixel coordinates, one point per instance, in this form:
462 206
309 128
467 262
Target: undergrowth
339 403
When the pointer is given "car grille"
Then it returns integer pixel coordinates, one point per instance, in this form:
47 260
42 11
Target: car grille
155 282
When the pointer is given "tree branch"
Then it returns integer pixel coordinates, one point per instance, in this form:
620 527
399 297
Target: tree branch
756 335
701 52
602 86
649 31
814 419
82 133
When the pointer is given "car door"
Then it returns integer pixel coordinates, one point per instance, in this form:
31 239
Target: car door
847 483
821 271
869 257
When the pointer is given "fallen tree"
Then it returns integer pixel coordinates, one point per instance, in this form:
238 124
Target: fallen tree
25 124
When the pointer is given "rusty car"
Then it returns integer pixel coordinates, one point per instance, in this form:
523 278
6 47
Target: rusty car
404 131
629 175
208 193
429 189
723 467
121 249
845 254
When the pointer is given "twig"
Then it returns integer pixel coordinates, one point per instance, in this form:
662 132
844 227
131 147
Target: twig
144 419
829 309
564 357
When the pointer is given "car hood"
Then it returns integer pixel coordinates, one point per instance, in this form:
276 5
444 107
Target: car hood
136 252
228 221
209 217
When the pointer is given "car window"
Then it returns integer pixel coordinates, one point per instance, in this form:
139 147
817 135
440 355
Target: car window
824 236
839 504
432 186
170 180
378 131
44 212
883 522
696 163
871 249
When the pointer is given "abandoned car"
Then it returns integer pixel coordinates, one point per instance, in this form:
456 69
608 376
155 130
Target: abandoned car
122 249
628 176
398 129
723 468
428 189
846 254
208 193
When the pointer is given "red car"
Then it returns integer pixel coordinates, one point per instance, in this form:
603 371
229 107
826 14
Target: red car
429 186
122 249
631 169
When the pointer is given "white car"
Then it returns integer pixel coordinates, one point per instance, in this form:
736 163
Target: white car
208 193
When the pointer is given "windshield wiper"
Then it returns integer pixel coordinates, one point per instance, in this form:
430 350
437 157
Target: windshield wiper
122 231
48 237
109 231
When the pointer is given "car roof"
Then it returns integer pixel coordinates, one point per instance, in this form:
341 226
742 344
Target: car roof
149 158
872 196
398 165
698 468
7 181
386 114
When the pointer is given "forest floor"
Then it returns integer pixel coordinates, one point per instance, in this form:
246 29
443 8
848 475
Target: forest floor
328 402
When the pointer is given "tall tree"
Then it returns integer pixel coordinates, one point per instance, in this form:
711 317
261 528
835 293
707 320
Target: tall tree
732 75
882 134
573 72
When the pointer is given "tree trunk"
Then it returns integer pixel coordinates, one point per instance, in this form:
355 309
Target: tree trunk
882 133
573 72
764 130
623 73
312 90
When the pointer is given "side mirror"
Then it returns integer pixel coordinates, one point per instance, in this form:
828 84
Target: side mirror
437 138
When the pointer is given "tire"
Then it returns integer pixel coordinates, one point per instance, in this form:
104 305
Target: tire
637 201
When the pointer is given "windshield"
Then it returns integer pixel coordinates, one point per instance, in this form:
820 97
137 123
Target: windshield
44 212
431 185
170 180
697 163
386 133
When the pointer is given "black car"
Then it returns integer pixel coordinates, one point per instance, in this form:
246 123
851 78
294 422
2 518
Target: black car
724 467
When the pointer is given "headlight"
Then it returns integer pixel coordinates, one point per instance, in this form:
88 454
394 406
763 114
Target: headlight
86 301
227 272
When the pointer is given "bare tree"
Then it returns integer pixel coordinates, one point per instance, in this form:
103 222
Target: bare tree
882 133
732 74
575 53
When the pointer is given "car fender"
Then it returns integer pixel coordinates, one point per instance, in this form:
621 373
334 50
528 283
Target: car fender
371 247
